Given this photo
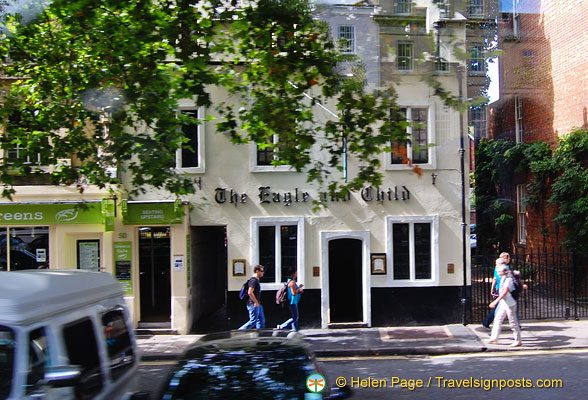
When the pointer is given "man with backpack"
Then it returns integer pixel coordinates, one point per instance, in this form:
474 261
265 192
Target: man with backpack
254 307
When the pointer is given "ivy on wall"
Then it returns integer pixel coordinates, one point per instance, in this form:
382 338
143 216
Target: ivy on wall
557 178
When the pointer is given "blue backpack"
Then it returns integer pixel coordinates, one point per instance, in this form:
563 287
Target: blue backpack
244 293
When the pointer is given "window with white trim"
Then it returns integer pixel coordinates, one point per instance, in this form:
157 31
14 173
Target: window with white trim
518 119
403 6
522 213
190 158
346 36
478 121
262 157
18 153
278 246
476 8
417 148
477 59
404 56
413 249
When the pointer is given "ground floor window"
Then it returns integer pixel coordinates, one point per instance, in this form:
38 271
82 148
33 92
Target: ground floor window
24 248
277 245
412 249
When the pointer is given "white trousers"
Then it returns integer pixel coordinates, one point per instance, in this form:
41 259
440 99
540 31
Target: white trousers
502 311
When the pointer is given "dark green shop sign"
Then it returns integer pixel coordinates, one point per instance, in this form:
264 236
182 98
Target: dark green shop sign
152 213
47 214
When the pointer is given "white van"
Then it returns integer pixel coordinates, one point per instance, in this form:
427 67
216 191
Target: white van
65 334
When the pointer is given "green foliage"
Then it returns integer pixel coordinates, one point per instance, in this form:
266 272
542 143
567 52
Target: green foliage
133 61
494 211
558 179
569 190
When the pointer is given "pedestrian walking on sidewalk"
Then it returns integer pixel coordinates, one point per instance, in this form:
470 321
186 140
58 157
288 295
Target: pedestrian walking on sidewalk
254 307
294 292
505 305
494 289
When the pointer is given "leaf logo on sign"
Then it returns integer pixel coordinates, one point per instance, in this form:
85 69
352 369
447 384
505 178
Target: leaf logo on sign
66 215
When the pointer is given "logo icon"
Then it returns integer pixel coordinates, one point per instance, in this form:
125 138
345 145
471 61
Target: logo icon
66 215
315 383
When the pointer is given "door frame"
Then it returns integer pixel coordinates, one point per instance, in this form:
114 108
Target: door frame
326 237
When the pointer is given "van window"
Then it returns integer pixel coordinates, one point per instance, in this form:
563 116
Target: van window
118 343
6 360
82 349
38 358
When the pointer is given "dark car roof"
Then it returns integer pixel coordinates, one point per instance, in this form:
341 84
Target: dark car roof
263 339
240 364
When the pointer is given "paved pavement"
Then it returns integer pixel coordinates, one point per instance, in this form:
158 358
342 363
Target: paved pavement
413 340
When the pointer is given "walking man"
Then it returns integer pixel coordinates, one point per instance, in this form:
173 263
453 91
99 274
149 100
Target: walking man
256 317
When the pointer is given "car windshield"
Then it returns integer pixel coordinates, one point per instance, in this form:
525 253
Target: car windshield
267 373
7 345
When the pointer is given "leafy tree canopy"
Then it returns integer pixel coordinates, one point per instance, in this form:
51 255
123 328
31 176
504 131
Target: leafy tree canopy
102 80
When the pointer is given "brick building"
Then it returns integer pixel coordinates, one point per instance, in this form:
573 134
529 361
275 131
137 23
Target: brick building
543 93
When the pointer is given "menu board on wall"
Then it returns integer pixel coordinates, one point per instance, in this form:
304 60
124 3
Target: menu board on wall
89 255
122 265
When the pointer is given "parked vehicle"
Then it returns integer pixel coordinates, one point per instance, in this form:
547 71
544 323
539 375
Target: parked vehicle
253 364
65 334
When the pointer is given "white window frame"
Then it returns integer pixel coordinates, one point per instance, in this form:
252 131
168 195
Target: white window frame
519 125
403 7
411 220
277 222
432 164
481 123
350 48
480 59
476 8
521 214
398 56
254 167
201 168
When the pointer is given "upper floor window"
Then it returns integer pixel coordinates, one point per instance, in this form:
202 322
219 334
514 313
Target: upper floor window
478 121
346 36
476 8
522 213
190 158
403 6
519 119
477 59
16 151
444 8
412 249
278 245
263 157
404 56
441 65
417 149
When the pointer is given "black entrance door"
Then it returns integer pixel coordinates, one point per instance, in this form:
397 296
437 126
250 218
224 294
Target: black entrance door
154 272
345 280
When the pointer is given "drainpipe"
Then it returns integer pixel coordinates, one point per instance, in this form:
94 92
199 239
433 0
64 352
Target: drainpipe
464 296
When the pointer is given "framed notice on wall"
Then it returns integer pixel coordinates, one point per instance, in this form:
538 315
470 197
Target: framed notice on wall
122 265
89 255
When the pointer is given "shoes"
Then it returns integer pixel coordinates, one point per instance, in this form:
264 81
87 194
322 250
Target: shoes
486 326
493 341
278 327
516 344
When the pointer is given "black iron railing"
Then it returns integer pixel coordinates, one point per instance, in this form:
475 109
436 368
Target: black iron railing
557 283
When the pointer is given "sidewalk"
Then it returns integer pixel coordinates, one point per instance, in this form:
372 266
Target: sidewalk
417 340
